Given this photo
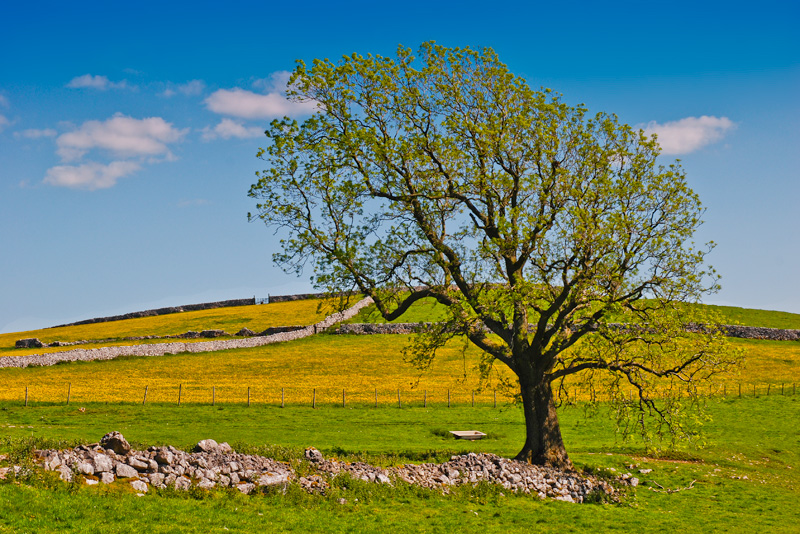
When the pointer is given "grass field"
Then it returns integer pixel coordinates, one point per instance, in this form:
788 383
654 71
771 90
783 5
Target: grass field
429 310
747 478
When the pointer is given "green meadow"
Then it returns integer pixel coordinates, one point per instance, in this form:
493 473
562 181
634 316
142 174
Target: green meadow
745 476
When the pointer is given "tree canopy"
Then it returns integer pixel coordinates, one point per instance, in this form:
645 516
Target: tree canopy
559 244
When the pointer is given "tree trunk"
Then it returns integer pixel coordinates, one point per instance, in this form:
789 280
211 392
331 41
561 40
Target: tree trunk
543 443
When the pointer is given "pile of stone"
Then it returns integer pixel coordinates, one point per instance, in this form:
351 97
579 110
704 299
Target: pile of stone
211 464
215 464
473 468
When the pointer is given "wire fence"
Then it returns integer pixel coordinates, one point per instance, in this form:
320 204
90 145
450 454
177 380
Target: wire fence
182 394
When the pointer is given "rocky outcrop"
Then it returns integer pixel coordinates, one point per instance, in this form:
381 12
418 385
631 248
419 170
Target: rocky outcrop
215 464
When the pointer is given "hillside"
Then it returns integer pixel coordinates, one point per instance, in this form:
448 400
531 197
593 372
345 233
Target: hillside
231 320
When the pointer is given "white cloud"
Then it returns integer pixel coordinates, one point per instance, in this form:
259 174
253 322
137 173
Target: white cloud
90 175
4 102
3 122
190 88
95 82
32 133
248 105
123 136
276 83
689 134
131 142
228 128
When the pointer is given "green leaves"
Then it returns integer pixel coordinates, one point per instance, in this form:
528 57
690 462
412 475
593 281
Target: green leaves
530 219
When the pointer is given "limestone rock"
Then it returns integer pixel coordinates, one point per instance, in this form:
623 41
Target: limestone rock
273 479
206 483
102 463
116 442
126 471
65 473
212 333
246 488
313 455
245 332
28 343
106 477
164 456
86 468
138 463
206 445
139 486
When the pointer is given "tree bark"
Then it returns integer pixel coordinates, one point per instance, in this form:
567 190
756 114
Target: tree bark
543 442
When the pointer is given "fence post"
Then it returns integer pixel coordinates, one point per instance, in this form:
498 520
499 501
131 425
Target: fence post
282 398
180 390
740 390
473 398
399 405
144 401
754 391
376 397
495 398
768 386
425 399
69 390
314 398
26 395
724 390
782 384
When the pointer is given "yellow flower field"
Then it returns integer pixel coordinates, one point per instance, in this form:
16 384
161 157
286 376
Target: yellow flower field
328 363
233 319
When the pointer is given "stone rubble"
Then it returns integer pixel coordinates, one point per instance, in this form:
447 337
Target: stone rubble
472 468
215 464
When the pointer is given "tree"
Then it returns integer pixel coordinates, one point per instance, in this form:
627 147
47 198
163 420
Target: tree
558 244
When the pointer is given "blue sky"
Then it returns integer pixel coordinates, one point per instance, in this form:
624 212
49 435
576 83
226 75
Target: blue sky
128 133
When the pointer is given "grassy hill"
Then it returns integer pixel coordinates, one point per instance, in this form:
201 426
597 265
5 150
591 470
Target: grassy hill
429 310
233 319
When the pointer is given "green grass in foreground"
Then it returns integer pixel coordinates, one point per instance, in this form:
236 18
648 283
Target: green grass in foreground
747 478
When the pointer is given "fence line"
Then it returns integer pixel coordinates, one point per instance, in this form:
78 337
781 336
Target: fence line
330 396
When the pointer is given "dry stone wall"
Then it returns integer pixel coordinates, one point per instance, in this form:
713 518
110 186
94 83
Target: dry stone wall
161 349
165 311
746 332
